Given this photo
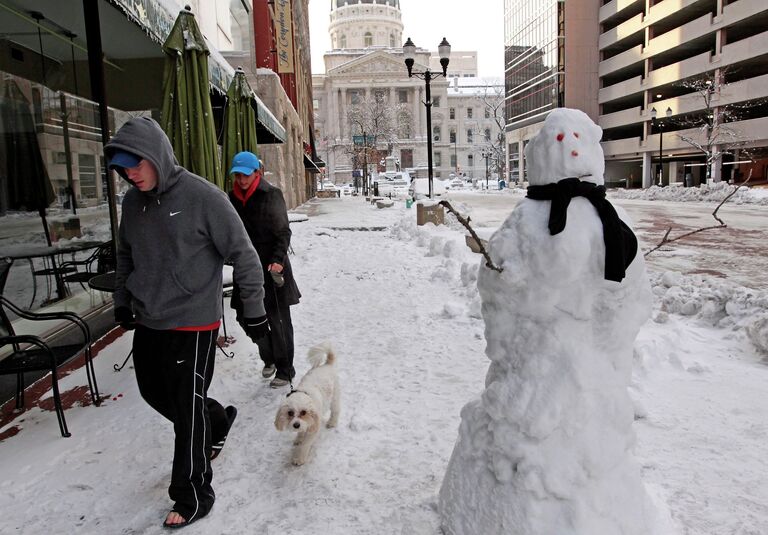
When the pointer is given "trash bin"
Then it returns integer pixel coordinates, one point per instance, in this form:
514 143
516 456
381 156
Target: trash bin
408 202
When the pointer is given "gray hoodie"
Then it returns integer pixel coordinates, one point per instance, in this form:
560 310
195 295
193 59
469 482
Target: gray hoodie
174 240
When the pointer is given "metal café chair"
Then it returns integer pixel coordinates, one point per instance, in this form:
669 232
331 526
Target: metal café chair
29 353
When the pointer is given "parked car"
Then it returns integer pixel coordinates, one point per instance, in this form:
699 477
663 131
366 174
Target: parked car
394 184
419 188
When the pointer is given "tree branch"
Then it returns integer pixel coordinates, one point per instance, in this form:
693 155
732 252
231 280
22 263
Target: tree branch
665 240
465 221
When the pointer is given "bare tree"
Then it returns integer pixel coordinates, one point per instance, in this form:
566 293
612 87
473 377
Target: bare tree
377 123
713 134
491 100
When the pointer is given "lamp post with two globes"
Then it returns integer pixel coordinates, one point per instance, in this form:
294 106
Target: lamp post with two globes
409 52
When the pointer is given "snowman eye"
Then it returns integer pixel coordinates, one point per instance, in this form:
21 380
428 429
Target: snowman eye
576 134
560 136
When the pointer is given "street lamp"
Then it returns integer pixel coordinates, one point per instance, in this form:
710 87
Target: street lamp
486 153
660 126
409 52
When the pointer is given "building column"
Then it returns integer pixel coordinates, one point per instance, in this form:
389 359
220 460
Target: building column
416 106
717 164
339 115
647 170
674 178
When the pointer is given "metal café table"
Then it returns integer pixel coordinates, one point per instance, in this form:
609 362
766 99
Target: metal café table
105 282
26 251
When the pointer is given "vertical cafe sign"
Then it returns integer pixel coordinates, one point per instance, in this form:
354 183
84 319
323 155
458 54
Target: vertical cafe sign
284 31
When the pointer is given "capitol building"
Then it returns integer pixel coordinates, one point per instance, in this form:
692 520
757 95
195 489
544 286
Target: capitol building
366 91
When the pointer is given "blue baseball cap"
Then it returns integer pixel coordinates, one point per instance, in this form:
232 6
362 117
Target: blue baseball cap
245 163
124 159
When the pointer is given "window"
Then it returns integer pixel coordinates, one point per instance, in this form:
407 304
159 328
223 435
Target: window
406 158
368 39
59 158
238 20
343 41
469 113
452 113
471 160
452 137
354 97
453 161
438 159
487 113
435 133
469 136
487 134
87 166
392 40
316 104
402 96
380 95
436 102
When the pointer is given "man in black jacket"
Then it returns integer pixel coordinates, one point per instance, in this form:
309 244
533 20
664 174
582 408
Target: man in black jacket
262 209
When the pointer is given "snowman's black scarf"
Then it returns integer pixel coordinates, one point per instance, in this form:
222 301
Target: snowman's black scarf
620 241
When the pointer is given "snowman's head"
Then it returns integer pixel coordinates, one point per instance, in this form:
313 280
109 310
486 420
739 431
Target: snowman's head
568 145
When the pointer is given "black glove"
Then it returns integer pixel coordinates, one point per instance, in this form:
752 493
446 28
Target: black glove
125 318
256 328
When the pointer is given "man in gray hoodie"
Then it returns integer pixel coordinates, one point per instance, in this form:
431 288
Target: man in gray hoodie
176 231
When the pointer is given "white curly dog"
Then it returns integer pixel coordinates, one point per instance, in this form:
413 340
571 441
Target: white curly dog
305 407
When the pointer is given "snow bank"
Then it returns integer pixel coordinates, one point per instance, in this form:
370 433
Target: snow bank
714 301
715 193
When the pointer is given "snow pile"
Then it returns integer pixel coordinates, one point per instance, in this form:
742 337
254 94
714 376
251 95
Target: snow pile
717 302
546 448
715 193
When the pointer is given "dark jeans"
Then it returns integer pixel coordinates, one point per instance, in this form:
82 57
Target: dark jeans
173 371
277 347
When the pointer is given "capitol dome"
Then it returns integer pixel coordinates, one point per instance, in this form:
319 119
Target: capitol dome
358 24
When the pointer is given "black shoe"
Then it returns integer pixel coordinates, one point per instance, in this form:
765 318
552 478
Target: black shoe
216 448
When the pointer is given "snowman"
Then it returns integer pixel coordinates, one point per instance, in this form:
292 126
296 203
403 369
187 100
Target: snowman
547 448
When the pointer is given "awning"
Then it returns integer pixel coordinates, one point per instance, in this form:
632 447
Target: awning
156 18
268 128
313 167
132 52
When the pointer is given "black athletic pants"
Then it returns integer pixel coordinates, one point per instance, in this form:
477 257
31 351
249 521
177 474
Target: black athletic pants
277 347
173 371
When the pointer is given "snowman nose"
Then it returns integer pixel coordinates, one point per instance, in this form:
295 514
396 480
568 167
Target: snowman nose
574 153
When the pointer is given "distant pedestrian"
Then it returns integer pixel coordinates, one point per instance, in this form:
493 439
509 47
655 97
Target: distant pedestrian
261 207
176 230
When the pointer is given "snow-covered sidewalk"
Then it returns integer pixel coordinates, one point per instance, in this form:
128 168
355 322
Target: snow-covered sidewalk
399 303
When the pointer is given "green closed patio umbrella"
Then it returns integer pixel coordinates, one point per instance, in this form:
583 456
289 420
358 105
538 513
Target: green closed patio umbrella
187 116
239 132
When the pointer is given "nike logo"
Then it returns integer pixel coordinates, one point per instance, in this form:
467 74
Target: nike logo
179 361
175 213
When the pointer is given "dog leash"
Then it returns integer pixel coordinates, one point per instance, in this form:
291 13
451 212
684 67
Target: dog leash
293 391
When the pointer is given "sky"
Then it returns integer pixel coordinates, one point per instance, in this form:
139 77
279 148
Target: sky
426 22
402 310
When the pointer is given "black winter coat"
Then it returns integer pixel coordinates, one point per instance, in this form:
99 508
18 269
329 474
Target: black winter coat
266 220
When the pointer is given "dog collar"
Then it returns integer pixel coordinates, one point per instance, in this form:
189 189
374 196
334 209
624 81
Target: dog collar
294 391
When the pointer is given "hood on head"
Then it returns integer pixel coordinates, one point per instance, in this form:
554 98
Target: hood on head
568 145
143 137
